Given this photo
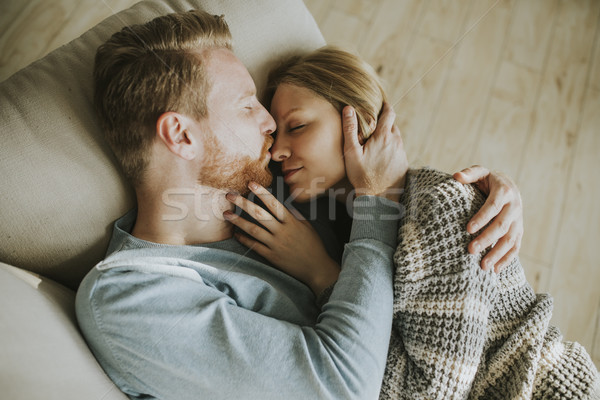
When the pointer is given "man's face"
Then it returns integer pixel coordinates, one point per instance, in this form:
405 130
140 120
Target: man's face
237 131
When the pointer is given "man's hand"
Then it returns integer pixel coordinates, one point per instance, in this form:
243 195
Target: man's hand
504 208
379 166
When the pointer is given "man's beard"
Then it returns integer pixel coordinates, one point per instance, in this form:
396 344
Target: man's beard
230 172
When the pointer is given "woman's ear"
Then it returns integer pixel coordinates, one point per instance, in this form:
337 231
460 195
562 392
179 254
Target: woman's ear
175 132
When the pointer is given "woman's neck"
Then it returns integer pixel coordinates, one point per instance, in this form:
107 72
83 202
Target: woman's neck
342 190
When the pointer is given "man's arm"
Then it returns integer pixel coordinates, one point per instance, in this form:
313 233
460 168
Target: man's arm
502 212
174 334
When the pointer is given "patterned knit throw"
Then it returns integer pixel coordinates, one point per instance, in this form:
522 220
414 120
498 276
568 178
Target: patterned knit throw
460 332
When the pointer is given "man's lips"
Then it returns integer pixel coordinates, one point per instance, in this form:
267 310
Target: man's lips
288 173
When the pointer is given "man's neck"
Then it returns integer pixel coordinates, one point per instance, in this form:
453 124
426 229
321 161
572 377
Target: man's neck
182 216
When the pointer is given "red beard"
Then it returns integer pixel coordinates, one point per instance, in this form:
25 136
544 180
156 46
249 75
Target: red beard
230 173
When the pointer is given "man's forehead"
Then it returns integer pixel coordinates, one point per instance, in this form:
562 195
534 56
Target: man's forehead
222 63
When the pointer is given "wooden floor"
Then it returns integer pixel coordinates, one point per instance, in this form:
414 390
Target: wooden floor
512 85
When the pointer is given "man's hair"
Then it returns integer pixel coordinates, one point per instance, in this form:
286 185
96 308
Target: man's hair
146 70
339 77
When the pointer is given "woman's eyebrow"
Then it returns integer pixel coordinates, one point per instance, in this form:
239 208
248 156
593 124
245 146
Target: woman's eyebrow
293 110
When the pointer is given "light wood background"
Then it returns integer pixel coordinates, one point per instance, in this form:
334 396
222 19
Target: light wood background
510 84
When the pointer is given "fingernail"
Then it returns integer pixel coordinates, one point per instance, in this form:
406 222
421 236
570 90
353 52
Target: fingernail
348 111
253 185
477 247
231 196
227 214
474 226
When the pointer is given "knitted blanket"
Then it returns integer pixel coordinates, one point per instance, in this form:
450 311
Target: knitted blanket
460 332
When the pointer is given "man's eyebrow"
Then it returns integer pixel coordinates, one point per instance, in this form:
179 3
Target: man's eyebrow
247 93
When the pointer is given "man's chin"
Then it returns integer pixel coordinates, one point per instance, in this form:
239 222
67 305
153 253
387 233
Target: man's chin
253 173
263 178
236 174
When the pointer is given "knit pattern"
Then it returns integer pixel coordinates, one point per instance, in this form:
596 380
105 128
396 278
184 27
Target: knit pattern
460 332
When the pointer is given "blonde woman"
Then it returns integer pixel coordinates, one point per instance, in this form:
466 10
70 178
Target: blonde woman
458 330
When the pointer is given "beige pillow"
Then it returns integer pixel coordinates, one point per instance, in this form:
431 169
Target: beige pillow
61 188
43 354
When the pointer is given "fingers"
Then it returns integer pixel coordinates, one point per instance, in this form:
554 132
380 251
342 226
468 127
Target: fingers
278 209
250 228
255 211
507 259
495 231
497 256
471 174
350 129
253 245
499 200
386 121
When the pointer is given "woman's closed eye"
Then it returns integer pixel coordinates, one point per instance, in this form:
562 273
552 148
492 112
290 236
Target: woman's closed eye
297 127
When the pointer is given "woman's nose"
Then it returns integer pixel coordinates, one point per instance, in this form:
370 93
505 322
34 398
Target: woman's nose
280 149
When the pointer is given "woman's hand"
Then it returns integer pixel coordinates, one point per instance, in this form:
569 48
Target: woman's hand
504 208
379 166
289 243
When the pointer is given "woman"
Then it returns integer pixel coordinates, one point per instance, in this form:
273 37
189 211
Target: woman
458 331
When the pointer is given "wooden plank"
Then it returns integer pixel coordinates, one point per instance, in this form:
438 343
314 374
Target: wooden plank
576 272
530 32
319 9
389 37
457 122
538 274
595 74
363 9
596 346
415 94
504 131
550 148
443 19
342 29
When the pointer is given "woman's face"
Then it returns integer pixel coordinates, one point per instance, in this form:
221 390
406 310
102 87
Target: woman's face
308 142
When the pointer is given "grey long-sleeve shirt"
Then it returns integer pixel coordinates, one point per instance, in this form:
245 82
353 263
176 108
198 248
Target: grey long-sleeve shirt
215 321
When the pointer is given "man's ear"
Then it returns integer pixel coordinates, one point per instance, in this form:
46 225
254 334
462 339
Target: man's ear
174 130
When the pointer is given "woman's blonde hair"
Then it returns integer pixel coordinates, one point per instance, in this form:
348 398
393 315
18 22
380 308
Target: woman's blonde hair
146 70
338 76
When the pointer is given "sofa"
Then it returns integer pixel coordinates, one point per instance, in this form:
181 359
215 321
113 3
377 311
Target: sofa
62 190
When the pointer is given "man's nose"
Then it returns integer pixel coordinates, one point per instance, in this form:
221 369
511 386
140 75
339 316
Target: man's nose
269 125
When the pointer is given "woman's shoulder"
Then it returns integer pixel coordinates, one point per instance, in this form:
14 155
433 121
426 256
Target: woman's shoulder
430 192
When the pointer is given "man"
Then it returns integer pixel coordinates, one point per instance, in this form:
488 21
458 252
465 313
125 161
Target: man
179 309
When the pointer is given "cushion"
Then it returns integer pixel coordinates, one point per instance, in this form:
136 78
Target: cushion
43 355
61 186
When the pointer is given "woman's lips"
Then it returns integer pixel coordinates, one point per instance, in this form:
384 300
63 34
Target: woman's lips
287 174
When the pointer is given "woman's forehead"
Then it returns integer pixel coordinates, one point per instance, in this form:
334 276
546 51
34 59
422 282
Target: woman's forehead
289 98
